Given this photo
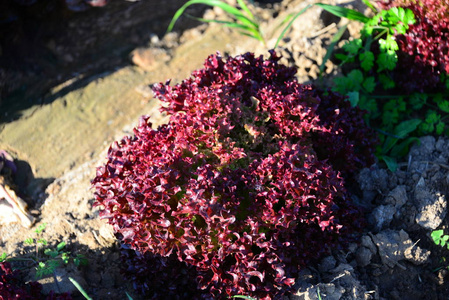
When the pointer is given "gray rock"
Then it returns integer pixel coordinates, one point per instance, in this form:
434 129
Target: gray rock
327 264
363 256
431 206
396 245
372 182
397 197
320 291
416 255
382 216
392 245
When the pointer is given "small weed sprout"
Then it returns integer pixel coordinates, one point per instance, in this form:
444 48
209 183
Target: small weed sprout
439 238
46 259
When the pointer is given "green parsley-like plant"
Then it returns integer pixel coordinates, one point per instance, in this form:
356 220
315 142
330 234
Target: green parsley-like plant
400 116
47 259
372 57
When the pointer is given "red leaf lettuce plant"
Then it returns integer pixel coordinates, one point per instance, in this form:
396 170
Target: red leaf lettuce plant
245 181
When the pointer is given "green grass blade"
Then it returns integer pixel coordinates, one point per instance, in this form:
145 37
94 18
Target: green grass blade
253 35
80 288
214 3
290 24
344 12
336 38
247 28
246 9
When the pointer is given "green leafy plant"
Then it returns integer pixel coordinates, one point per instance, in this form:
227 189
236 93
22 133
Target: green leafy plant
370 65
47 259
372 57
439 238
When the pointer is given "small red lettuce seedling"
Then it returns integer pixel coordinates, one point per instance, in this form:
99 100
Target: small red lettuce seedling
244 183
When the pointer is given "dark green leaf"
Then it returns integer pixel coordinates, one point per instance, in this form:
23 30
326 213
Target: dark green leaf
367 60
356 78
51 253
417 100
386 61
342 57
369 84
402 148
439 128
405 127
353 47
391 163
353 98
442 103
386 81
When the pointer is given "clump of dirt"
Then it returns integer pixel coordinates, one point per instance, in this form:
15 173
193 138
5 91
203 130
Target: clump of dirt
76 121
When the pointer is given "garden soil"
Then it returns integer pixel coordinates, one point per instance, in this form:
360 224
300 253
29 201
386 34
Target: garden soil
73 84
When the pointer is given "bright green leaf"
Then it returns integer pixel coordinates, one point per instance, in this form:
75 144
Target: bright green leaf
40 228
65 257
3 257
409 17
60 246
29 241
